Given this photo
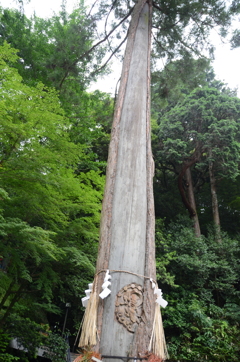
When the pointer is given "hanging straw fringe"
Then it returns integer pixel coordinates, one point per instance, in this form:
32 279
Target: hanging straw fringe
89 325
157 342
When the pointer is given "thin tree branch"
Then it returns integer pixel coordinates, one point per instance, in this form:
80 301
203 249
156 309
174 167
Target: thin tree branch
107 35
169 27
93 47
159 8
161 46
97 70
89 13
105 25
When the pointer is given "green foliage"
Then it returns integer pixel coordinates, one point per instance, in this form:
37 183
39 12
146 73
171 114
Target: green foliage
199 131
205 120
25 247
203 337
207 260
35 147
32 336
235 40
4 342
177 79
163 255
50 208
197 127
54 51
199 321
56 347
28 333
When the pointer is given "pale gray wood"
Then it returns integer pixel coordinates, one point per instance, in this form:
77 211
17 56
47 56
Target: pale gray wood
129 204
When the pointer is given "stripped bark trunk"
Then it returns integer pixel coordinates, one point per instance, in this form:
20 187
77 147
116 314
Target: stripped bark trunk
191 199
127 222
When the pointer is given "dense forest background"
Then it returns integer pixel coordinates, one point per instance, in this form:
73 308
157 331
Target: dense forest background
53 153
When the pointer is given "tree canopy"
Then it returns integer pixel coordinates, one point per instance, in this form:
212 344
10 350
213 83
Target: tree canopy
51 192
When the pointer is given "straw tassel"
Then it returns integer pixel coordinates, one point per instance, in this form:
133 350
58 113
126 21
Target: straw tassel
157 343
89 325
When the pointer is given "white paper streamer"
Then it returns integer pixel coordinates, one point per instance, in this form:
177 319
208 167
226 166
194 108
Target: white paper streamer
162 302
107 276
87 292
106 291
106 284
153 284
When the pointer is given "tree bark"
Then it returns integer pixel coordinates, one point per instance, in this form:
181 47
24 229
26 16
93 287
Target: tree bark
189 207
191 199
215 209
127 222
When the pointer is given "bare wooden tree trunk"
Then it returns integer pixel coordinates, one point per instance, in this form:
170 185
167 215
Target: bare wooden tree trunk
191 199
127 223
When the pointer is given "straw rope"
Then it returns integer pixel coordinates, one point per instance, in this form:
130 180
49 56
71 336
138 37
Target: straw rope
124 271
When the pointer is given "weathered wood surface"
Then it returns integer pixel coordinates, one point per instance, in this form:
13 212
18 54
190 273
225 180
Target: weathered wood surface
127 225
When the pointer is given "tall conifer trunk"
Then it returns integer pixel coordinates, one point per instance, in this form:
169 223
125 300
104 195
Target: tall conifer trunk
191 199
215 209
127 223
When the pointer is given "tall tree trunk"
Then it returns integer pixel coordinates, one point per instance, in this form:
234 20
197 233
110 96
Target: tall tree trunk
127 225
187 196
215 209
191 199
